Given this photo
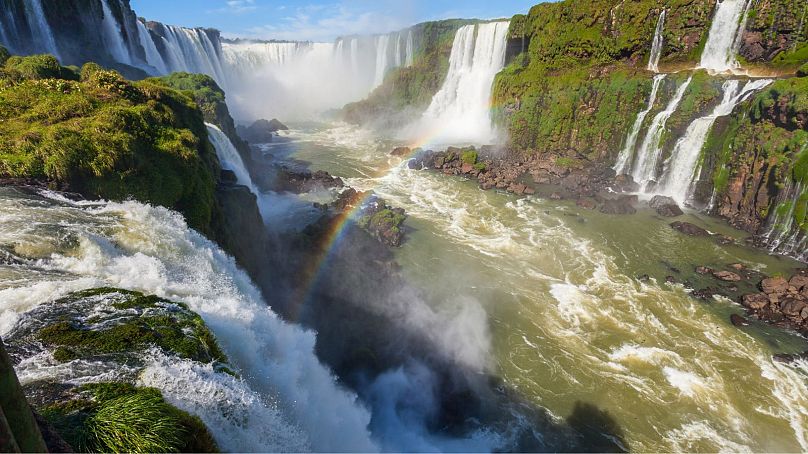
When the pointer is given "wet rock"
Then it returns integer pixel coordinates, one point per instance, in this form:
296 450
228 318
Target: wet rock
738 266
774 285
689 229
261 131
665 206
643 278
620 205
624 183
727 276
556 196
706 293
724 240
793 307
467 168
401 151
517 188
755 300
228 177
704 270
737 320
670 279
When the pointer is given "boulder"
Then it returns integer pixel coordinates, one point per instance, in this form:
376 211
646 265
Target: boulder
799 282
774 285
467 168
704 270
621 205
793 307
755 300
665 206
689 229
727 276
589 204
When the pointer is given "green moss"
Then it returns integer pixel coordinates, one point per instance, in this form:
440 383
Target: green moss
106 137
469 156
119 417
202 88
567 163
180 332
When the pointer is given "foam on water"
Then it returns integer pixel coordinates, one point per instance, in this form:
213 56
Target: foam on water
138 247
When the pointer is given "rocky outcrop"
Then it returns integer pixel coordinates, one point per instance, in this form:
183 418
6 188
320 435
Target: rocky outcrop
781 301
775 32
261 131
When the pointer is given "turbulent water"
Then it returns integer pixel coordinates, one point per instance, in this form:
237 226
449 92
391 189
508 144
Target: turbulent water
570 322
287 401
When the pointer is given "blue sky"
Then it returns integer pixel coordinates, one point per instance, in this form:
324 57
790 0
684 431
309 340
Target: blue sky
318 20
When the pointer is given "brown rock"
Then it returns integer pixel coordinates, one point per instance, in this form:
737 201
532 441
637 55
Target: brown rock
665 206
517 188
728 276
799 282
689 229
774 285
755 300
793 307
738 266
704 270
555 196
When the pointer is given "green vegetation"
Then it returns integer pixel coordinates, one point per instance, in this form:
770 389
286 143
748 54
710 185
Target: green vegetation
781 28
202 88
118 417
105 137
767 141
411 88
175 329
469 156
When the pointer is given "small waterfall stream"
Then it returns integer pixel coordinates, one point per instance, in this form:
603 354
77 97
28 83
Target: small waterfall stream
656 47
681 168
627 154
40 27
644 168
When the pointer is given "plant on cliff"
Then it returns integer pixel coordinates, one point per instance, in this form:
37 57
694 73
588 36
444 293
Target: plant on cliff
104 136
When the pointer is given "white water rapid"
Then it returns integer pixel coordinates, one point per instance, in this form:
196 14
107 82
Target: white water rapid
627 153
286 399
656 46
728 23
644 169
681 168
460 111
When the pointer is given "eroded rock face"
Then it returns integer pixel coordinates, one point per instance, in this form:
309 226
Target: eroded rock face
782 302
773 28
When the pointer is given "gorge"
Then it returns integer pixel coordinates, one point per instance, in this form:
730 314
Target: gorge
460 236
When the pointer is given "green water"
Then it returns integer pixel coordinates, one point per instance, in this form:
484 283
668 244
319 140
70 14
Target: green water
569 320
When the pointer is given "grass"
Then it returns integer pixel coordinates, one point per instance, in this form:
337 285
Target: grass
119 417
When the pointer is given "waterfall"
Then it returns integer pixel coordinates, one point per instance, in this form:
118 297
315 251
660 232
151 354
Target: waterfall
408 60
229 157
680 170
398 50
40 28
783 236
191 50
627 154
354 55
153 57
381 59
461 107
725 31
113 37
656 47
644 169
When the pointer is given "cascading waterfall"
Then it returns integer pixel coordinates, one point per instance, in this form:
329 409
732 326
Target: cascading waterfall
112 36
656 47
382 42
783 236
409 57
722 41
153 57
461 107
644 168
627 153
229 157
681 168
40 27
286 399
